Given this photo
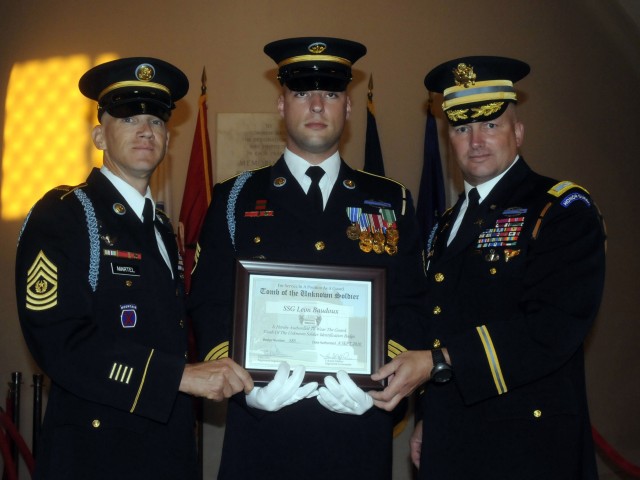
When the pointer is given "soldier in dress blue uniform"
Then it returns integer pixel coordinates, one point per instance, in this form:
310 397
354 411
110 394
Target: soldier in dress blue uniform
288 430
516 273
100 298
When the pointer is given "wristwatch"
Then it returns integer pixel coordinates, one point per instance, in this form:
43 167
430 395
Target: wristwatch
442 371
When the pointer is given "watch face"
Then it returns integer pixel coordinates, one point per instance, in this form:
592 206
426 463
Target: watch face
441 373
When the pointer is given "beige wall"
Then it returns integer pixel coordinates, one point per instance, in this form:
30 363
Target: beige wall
580 115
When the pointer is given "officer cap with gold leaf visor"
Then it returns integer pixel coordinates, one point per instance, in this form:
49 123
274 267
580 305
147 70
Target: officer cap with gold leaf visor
315 63
135 86
476 89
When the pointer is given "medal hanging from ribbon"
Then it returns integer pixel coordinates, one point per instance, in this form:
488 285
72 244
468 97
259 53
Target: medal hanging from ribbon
366 240
392 234
353 230
375 232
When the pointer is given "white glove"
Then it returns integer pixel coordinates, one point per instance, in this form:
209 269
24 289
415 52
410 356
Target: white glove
344 397
283 390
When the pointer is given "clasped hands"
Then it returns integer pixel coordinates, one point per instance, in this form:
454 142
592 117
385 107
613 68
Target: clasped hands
340 394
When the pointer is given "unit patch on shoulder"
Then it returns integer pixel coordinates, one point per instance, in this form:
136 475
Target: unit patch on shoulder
42 284
572 197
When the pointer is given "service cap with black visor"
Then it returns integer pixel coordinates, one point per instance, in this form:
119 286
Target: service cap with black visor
315 63
135 86
476 88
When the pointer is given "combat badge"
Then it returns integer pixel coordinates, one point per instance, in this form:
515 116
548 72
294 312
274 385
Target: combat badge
42 284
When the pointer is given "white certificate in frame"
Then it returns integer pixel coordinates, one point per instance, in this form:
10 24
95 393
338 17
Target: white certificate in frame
324 317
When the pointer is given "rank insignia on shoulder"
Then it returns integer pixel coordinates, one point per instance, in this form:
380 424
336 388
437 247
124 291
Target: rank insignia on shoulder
560 188
42 284
128 315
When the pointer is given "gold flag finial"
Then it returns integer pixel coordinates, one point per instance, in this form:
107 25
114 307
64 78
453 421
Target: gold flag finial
204 80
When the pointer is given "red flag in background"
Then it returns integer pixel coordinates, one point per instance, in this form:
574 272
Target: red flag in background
197 189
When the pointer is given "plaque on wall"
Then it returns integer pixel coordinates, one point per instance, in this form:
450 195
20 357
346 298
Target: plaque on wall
246 141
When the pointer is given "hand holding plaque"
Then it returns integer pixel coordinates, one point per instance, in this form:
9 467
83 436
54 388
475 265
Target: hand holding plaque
343 395
283 390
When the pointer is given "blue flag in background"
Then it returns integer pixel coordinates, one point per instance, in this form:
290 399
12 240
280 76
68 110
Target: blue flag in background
431 198
372 152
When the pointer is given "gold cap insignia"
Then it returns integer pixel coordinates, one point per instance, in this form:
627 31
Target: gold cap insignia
317 47
464 75
145 72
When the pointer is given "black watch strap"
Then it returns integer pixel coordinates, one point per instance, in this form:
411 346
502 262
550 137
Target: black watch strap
442 371
438 356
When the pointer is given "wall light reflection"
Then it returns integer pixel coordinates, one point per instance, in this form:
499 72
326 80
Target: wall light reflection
46 139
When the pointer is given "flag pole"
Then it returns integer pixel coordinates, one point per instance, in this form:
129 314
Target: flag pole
373 162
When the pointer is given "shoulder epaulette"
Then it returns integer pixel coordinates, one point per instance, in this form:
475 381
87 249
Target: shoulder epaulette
382 177
561 188
66 189
558 191
246 171
404 189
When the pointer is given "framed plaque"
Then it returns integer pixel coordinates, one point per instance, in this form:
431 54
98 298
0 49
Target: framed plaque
324 317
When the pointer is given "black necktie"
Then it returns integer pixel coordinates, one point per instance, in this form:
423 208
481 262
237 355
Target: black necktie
314 194
466 230
147 217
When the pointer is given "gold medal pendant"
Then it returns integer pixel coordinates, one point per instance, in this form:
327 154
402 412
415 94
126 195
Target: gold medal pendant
378 242
366 242
353 231
391 249
393 237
